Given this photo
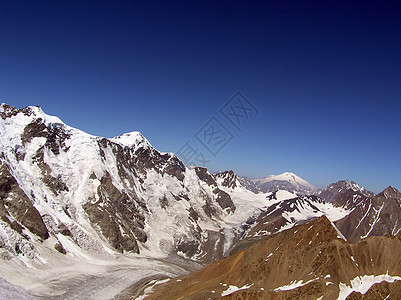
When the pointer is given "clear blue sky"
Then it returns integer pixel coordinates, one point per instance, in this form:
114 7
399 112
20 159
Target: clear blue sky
324 75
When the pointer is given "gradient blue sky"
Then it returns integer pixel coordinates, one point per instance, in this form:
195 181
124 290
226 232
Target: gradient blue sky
324 75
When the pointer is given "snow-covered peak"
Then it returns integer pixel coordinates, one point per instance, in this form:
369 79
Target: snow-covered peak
285 181
132 139
27 114
286 176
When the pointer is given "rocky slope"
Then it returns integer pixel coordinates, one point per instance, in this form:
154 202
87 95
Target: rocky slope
306 262
371 216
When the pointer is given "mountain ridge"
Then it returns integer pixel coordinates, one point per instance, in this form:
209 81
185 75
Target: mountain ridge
70 197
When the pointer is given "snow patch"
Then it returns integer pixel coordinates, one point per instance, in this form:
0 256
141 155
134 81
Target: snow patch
232 289
294 284
362 284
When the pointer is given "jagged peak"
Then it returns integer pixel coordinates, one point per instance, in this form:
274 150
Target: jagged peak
227 178
348 183
390 192
225 173
345 185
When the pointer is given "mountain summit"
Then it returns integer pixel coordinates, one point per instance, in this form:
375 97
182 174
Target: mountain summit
285 181
74 189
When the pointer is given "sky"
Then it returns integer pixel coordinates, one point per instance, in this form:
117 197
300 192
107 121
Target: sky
320 80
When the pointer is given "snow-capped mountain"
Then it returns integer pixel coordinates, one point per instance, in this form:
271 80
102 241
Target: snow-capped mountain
69 199
334 190
354 214
80 192
285 181
289 212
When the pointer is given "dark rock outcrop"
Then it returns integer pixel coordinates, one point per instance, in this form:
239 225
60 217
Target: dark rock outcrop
229 179
117 216
16 204
371 216
335 190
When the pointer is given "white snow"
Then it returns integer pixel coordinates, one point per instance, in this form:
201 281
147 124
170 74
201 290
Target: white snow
294 284
232 289
132 139
377 219
150 288
12 292
286 176
305 211
362 284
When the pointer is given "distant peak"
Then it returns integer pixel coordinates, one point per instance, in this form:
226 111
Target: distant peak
286 176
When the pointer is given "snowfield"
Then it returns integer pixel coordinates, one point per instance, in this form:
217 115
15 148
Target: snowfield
93 279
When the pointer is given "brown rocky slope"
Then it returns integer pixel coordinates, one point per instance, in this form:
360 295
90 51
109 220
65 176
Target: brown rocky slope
308 261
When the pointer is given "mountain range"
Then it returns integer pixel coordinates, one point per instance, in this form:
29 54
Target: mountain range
89 217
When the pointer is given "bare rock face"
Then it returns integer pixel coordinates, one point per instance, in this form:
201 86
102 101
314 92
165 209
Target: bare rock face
55 184
335 190
60 248
117 216
14 204
371 216
350 199
222 198
308 261
205 176
149 158
229 179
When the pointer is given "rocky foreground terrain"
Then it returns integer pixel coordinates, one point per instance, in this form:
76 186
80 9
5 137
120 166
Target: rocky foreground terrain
309 261
87 217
